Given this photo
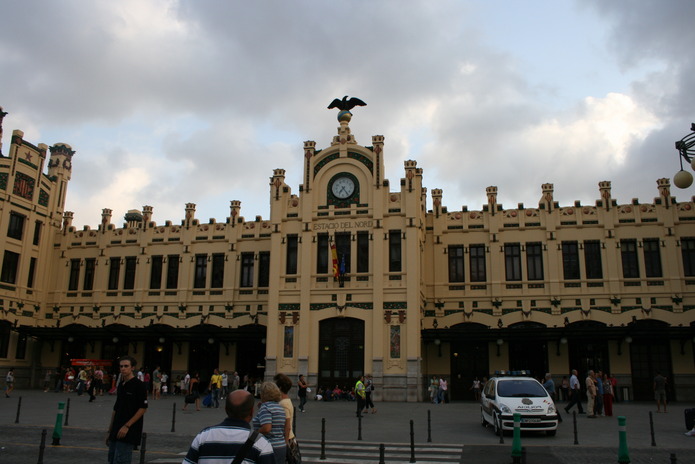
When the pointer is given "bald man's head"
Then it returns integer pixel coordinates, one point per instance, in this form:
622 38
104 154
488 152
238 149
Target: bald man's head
239 405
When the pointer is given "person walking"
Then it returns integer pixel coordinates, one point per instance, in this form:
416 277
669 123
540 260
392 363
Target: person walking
285 384
225 385
443 394
368 389
270 420
607 395
565 389
590 385
575 390
125 428
660 391
476 389
360 395
223 442
215 386
9 382
157 383
434 389
194 388
301 392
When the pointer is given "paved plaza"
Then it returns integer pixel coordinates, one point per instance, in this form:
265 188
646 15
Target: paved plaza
456 425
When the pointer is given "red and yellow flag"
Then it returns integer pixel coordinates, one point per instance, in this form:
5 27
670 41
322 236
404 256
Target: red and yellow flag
334 255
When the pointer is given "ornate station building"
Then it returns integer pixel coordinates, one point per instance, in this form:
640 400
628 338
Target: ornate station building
350 274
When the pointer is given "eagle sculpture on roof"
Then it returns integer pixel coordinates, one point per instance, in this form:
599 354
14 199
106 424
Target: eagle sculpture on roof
345 104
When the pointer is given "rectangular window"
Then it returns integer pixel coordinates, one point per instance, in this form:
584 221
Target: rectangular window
37 232
89 269
512 261
201 269
10 263
246 270
15 228
395 264
628 252
534 261
21 348
114 271
156 267
456 273
217 277
4 338
129 277
688 253
173 271
477 263
363 251
592 259
32 271
263 268
292 249
570 260
74 277
322 249
342 247
652 258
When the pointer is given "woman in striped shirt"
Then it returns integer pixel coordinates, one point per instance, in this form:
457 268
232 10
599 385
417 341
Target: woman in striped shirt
270 420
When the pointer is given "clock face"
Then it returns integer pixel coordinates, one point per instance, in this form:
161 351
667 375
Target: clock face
343 187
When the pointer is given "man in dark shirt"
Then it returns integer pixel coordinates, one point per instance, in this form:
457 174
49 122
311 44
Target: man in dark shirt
125 428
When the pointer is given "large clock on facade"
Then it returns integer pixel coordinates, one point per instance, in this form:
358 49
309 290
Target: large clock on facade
343 187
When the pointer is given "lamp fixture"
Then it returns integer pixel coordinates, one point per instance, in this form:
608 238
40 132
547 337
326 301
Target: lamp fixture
686 151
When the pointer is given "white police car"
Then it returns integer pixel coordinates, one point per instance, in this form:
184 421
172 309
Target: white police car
503 395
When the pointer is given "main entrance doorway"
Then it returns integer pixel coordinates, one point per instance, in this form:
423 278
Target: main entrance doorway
341 352
469 359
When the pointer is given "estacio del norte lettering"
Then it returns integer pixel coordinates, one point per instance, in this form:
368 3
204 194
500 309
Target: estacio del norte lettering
457 294
343 225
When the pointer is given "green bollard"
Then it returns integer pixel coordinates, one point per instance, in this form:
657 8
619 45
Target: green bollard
623 456
58 429
516 442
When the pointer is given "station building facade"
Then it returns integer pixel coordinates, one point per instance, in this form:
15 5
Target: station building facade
351 274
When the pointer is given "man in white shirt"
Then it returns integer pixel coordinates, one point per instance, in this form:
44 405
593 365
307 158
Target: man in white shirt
575 390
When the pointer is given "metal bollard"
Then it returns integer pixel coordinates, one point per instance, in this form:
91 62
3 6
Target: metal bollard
143 447
173 417
429 427
67 412
412 442
523 455
382 452
359 427
323 440
516 442
651 427
574 420
42 447
623 455
58 429
673 458
19 408
294 419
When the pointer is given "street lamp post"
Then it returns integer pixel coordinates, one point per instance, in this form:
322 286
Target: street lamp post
686 151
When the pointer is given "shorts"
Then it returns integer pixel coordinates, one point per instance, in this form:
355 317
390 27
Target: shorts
157 386
660 395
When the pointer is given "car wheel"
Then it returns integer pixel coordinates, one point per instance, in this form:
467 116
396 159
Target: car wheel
483 422
551 433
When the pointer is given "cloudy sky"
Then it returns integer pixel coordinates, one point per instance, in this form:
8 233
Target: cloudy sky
172 101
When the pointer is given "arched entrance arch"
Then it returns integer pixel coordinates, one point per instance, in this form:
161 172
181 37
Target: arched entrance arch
341 351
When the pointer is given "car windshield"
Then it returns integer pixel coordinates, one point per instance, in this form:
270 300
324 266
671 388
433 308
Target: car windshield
521 388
